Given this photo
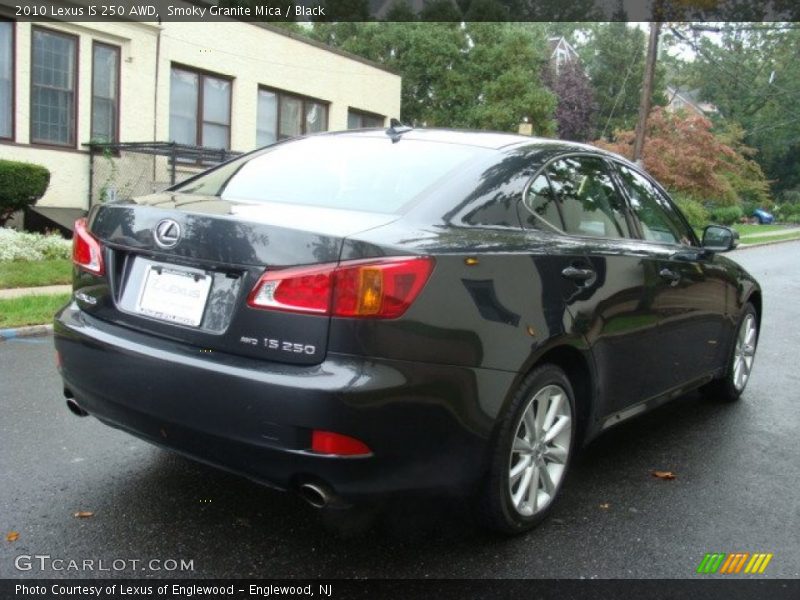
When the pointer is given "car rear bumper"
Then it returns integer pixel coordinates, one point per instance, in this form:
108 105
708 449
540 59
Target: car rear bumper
427 425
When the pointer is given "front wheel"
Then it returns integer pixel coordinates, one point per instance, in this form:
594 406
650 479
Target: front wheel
531 453
730 387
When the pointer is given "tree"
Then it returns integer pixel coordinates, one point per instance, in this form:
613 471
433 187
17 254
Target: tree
576 107
751 73
472 75
685 155
614 54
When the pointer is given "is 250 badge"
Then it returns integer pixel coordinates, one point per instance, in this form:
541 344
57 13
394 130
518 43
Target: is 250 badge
282 345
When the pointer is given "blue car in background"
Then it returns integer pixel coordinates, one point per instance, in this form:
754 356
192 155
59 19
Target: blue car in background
763 217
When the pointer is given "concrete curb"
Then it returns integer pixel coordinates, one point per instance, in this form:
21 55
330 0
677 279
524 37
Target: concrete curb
30 331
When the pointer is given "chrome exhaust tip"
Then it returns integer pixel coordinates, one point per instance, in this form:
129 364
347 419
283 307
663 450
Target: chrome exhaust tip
316 495
75 408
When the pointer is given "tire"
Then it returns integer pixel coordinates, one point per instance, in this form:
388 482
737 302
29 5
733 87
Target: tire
731 386
521 453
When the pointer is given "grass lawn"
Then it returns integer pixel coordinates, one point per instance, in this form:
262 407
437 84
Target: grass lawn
30 310
16 274
770 238
747 229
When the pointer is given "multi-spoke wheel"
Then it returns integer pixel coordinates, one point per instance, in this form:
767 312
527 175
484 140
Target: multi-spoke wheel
540 450
740 364
531 453
744 352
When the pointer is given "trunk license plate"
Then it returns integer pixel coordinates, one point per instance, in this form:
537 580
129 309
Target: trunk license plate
174 295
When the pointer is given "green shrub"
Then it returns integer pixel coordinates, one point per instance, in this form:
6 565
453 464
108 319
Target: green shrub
694 212
790 197
726 215
749 207
21 184
786 212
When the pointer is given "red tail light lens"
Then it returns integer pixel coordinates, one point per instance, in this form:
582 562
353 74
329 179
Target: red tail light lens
327 442
87 253
306 289
382 289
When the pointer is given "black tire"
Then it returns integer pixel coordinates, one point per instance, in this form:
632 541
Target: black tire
724 388
495 509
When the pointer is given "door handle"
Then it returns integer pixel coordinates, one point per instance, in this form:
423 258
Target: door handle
669 275
577 274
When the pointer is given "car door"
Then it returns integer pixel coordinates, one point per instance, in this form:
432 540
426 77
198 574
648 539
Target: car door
602 277
689 294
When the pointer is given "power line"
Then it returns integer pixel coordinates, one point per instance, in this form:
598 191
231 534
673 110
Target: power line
619 95
720 67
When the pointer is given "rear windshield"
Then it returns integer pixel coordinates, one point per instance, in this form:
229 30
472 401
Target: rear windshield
355 173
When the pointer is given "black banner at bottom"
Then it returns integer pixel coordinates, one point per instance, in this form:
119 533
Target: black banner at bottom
518 589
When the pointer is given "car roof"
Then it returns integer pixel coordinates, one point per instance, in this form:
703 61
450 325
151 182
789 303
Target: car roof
484 139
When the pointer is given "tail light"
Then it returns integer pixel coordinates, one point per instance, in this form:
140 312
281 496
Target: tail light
328 442
379 289
86 251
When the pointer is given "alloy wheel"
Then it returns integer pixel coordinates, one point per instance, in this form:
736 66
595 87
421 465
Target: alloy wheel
744 353
540 450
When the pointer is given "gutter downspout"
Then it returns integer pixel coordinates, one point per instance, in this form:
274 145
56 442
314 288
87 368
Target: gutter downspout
155 93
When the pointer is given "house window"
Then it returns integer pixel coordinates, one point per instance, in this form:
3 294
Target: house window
199 109
359 119
105 93
53 84
6 79
282 115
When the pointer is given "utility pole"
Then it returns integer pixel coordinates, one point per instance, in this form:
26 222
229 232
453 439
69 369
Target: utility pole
647 91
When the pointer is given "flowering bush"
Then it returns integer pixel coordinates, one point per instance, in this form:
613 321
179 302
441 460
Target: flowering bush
15 245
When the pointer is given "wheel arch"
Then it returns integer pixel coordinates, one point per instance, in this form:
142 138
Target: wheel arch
578 365
580 372
757 301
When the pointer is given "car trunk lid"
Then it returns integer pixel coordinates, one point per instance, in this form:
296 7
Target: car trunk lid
191 283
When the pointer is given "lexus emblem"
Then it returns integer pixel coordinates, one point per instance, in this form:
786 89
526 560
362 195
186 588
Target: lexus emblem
167 233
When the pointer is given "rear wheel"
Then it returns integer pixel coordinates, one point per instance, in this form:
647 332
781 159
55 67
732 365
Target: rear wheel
730 387
531 453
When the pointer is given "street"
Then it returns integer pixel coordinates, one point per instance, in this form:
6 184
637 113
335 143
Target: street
735 490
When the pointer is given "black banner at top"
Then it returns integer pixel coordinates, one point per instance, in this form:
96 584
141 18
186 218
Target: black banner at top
157 11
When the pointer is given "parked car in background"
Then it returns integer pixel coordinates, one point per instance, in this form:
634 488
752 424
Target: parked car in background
763 217
361 314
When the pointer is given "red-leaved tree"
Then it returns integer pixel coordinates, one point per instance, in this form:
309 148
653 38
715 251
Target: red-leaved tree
685 155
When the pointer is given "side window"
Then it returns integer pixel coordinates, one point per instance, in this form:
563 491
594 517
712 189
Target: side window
655 214
590 204
541 203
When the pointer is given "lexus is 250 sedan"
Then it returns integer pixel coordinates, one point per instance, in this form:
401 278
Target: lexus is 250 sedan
357 315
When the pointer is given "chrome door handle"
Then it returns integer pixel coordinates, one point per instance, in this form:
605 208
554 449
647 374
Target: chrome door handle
577 274
669 275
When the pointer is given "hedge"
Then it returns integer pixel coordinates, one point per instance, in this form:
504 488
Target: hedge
21 184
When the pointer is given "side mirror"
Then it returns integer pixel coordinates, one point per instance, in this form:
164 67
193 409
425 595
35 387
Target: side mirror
719 238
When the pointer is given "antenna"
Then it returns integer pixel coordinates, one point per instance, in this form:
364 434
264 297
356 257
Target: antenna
396 129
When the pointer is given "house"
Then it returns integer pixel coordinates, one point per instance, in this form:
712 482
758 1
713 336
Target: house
561 53
228 85
681 99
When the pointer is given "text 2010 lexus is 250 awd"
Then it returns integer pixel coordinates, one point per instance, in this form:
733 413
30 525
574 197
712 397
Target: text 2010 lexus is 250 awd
354 315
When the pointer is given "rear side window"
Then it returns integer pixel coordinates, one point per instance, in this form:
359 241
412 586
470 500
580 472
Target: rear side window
656 216
541 203
590 204
354 173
